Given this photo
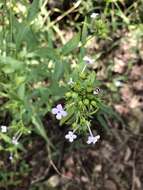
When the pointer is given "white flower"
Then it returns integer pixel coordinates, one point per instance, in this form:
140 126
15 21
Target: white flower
11 157
70 81
59 112
14 141
88 60
92 139
94 15
118 83
3 129
70 136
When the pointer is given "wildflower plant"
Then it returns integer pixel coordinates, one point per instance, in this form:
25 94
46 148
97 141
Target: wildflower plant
35 75
81 104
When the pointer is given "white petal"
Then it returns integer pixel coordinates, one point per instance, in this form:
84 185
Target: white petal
88 142
64 113
54 111
70 81
59 116
70 133
98 137
90 138
59 107
94 15
95 92
67 136
15 142
3 129
94 141
88 60
74 136
70 139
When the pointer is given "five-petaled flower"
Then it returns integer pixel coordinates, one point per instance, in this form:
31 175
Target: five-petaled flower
88 60
92 139
70 136
3 129
59 112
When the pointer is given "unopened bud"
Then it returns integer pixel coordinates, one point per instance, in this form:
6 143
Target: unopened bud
68 94
86 102
83 76
93 103
80 103
74 95
89 89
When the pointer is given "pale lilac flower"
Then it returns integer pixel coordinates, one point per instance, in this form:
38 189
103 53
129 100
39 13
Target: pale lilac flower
3 129
14 141
70 136
94 15
59 112
88 60
92 139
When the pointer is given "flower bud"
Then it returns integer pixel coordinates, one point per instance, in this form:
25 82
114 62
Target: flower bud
68 94
74 95
89 89
80 103
93 103
77 87
82 76
90 97
74 125
86 102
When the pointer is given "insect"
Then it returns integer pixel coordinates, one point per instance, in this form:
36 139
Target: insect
97 91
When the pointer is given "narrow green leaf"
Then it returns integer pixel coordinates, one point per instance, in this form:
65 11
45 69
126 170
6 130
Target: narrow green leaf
84 31
39 127
71 45
33 10
10 64
21 91
46 52
102 122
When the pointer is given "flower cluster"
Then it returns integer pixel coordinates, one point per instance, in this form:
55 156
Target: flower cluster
14 139
71 136
91 139
81 102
